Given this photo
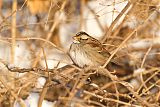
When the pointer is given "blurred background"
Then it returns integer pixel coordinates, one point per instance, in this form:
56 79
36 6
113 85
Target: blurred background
33 32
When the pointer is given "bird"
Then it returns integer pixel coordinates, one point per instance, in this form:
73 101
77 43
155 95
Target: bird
87 51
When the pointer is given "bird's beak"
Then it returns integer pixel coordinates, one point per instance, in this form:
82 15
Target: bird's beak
75 39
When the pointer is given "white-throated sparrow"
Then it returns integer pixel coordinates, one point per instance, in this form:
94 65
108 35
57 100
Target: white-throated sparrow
87 51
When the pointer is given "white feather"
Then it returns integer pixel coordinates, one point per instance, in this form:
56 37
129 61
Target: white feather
79 56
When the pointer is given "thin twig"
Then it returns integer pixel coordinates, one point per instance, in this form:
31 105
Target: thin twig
109 31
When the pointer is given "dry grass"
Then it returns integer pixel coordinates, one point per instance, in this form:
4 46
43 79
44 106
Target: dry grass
135 84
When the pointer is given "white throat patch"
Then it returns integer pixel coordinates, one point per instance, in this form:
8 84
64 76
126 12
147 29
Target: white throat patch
76 41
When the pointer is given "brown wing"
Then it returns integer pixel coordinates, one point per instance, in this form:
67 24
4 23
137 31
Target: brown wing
96 51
